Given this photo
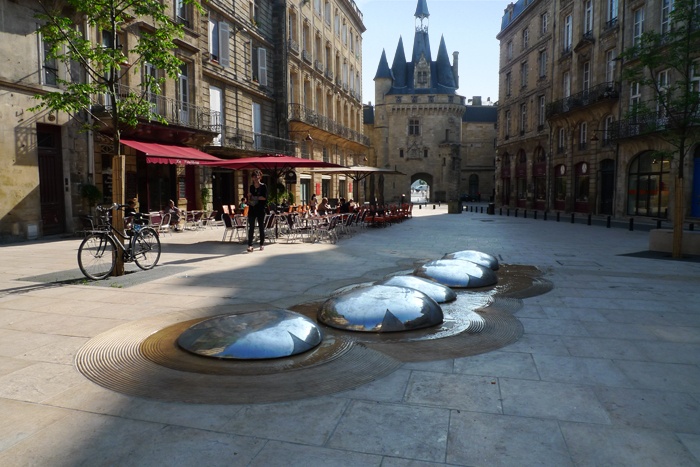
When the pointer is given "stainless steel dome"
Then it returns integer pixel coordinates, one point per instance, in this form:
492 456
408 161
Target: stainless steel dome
457 273
254 335
381 308
474 256
432 289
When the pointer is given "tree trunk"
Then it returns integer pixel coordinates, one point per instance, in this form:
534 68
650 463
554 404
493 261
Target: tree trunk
118 170
678 216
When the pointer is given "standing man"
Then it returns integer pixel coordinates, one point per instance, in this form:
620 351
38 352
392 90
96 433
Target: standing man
257 197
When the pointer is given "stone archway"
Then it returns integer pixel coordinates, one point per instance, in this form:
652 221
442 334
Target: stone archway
421 187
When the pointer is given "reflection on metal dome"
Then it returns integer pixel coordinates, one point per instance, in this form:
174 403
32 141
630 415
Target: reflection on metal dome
474 256
381 308
437 292
251 336
457 273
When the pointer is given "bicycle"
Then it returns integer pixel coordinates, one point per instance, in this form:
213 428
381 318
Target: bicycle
97 254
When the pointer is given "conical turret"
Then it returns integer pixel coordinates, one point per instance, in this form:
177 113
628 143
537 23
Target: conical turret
398 67
445 77
383 80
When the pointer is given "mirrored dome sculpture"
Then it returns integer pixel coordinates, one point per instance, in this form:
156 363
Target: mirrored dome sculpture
457 273
381 308
432 289
477 257
250 336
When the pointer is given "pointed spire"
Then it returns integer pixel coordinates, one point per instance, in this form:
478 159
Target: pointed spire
422 9
421 46
383 70
445 76
398 67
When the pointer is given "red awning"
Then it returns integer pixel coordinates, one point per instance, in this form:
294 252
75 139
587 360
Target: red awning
167 154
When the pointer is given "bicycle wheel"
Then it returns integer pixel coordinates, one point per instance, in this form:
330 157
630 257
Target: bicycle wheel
146 248
97 256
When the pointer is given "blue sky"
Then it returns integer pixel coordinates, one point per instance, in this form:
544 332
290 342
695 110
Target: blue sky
469 27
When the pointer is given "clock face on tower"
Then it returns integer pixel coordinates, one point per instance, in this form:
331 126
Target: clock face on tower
584 168
562 170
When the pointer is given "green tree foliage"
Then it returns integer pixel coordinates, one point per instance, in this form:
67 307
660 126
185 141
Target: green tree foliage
668 63
98 64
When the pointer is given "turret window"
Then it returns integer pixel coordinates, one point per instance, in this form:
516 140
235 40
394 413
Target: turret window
414 127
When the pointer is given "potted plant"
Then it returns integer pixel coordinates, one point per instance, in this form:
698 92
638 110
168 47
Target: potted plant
91 194
205 197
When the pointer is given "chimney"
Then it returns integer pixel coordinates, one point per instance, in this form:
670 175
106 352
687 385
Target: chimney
476 100
455 67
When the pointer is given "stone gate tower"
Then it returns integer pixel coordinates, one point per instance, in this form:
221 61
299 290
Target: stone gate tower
417 118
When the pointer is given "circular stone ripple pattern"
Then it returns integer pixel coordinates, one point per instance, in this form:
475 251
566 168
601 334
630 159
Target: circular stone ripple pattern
255 335
457 273
432 289
474 256
381 308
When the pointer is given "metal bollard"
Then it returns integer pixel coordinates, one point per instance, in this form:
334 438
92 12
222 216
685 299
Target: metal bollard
691 227
558 216
589 219
516 212
631 223
524 213
658 223
420 206
433 206
482 210
607 223
534 215
508 212
572 217
500 211
544 215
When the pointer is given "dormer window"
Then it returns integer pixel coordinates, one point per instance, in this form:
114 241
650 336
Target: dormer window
422 74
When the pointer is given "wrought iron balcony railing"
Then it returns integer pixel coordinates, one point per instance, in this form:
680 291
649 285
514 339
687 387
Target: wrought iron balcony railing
609 90
236 138
647 123
307 115
173 111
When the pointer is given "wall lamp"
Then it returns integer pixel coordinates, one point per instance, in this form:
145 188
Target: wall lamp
308 135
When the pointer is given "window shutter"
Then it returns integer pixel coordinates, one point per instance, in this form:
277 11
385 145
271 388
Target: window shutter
262 66
223 44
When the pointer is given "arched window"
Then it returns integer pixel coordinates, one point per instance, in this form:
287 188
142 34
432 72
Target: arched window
647 189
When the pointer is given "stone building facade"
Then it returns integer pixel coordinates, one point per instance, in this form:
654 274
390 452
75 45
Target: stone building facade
321 73
563 106
417 119
478 151
257 79
32 141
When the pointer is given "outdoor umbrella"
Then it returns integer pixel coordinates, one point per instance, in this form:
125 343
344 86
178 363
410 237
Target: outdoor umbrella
360 172
273 165
357 172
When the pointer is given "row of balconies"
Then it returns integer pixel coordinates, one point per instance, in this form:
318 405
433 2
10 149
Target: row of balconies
604 91
172 111
236 138
650 122
307 115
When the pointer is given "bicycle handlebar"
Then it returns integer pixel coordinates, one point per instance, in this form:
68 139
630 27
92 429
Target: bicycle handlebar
109 207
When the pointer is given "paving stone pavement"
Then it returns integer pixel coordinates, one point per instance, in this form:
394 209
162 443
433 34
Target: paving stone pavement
607 371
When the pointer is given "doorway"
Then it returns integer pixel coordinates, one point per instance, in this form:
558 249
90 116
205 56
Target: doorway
607 186
51 179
